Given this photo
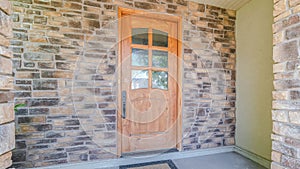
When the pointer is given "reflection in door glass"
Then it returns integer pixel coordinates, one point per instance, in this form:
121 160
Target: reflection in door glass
160 38
139 79
140 36
139 57
160 59
160 80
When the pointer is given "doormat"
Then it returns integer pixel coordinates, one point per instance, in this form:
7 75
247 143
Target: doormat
167 164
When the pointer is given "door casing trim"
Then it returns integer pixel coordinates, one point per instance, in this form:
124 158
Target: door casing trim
127 11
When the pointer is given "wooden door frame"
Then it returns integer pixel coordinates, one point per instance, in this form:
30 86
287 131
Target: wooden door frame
127 11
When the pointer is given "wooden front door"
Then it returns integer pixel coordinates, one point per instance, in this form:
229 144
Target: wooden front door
148 113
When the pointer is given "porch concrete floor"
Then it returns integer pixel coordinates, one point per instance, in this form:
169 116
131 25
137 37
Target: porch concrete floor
230 160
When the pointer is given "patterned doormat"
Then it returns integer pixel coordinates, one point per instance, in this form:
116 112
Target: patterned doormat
167 164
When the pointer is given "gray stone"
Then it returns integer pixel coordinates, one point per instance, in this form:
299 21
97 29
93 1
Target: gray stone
42 102
38 57
19 156
45 84
295 95
7 137
293 32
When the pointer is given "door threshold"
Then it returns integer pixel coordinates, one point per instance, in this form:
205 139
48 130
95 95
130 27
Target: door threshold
148 153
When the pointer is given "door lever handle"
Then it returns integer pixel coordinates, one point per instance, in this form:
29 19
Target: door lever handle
123 104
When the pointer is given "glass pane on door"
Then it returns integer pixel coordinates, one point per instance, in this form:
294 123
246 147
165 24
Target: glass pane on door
160 59
139 79
140 36
160 80
139 57
160 38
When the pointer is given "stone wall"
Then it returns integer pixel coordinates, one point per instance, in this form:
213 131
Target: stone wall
286 109
65 64
7 125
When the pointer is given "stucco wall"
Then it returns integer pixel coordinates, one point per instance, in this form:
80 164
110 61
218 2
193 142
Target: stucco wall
254 77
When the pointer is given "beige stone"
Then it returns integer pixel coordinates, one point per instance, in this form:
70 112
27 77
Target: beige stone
276 156
4 41
278 37
276 166
6 82
286 129
5 160
280 95
278 115
296 9
294 3
289 105
280 76
5 65
6 6
6 113
294 117
279 7
43 93
6 26
283 15
279 67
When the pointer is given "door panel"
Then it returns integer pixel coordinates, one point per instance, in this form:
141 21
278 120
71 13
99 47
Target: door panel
149 75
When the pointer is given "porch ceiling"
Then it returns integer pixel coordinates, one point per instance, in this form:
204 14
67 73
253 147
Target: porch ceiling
228 4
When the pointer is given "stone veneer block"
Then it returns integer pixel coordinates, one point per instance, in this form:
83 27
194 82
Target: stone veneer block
6 82
6 7
5 160
5 52
286 51
5 66
5 25
6 113
7 137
